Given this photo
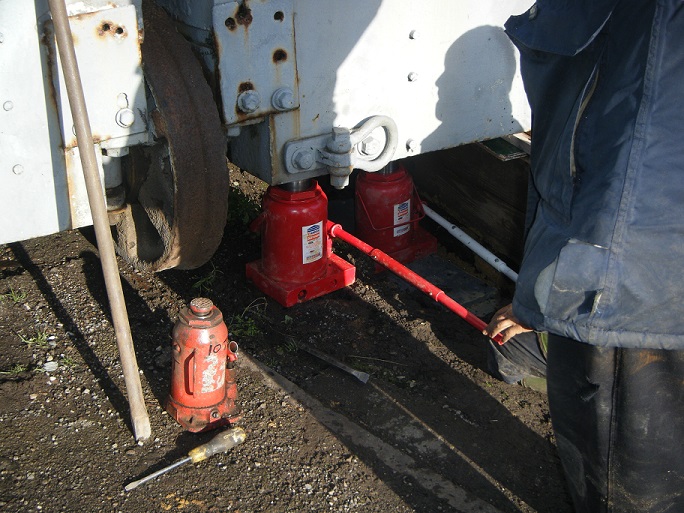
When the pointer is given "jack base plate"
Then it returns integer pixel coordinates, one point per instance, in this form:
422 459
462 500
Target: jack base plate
339 274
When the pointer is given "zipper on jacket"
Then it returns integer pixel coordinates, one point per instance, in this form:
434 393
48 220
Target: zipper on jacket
587 93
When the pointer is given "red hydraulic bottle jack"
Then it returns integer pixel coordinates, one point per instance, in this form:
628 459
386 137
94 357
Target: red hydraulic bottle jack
203 391
382 258
387 211
297 262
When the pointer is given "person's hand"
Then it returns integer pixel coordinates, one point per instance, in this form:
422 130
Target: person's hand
506 323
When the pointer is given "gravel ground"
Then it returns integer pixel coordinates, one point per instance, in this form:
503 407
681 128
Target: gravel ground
431 431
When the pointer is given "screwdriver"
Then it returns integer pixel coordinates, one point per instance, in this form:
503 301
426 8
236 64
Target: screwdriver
220 443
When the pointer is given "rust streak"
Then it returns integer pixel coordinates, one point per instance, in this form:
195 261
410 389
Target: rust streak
46 39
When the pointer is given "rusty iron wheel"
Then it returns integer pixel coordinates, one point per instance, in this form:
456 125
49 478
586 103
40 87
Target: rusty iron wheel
177 188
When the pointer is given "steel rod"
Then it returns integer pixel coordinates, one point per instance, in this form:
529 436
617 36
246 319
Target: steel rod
139 417
335 230
135 484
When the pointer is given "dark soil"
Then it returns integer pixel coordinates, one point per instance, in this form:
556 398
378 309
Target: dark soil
431 430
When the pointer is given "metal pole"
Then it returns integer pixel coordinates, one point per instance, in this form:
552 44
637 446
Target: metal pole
335 230
72 77
471 243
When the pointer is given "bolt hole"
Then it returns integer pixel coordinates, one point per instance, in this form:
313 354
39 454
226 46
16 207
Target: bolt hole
119 30
246 86
279 55
106 27
231 23
279 16
302 295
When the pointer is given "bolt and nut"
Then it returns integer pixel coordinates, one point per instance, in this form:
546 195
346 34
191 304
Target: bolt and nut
303 159
248 101
125 118
283 99
370 146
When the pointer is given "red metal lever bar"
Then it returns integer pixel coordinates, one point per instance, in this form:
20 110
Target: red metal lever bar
335 230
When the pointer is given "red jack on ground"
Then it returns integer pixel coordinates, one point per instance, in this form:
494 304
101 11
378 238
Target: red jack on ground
387 211
297 262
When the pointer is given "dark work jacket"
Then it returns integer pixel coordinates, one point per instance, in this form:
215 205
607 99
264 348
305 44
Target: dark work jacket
604 249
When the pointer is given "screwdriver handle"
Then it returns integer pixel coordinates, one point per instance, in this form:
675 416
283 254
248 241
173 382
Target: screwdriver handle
220 443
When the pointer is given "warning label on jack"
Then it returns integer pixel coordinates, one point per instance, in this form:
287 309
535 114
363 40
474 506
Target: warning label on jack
312 242
402 214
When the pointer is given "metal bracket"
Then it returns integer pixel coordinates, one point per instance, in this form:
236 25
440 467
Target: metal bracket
256 58
344 150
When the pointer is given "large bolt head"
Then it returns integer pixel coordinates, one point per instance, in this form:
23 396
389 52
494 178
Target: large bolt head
370 146
248 101
303 159
125 118
283 99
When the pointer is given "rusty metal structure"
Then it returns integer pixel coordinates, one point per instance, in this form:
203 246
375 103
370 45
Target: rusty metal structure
289 90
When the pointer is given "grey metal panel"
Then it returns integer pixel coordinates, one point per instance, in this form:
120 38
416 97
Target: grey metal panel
443 70
42 189
107 45
33 184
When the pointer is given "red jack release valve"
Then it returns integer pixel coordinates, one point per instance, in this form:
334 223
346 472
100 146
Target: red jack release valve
203 389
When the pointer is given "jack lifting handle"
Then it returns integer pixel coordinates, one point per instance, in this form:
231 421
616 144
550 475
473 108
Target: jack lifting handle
335 230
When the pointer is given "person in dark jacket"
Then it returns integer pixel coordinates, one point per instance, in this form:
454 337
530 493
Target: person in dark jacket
604 248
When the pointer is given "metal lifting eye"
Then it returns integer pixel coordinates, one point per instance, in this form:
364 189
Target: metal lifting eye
392 134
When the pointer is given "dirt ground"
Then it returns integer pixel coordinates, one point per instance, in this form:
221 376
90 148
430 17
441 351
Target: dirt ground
430 431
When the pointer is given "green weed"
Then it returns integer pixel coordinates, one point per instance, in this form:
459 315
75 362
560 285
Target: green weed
68 362
206 283
290 346
16 296
241 209
244 324
15 370
39 340
241 327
